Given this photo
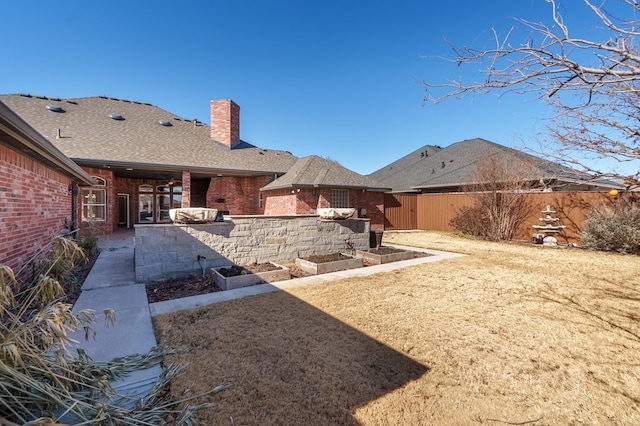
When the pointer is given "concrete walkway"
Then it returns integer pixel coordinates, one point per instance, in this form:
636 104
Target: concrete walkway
111 285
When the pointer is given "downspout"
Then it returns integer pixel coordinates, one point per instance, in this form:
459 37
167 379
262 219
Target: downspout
73 189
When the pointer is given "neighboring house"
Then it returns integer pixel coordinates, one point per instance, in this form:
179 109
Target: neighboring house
36 186
434 169
146 160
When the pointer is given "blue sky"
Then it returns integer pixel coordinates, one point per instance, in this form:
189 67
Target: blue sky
337 78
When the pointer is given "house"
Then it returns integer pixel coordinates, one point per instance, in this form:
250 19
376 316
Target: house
434 169
37 183
146 160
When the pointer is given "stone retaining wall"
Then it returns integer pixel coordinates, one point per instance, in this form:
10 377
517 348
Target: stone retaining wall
164 251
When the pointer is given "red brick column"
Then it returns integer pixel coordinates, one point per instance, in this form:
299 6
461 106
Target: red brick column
186 189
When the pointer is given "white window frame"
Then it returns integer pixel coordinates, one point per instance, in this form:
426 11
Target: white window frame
90 203
339 198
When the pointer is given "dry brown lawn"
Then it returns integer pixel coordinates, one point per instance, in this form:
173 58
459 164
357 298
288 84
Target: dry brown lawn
510 334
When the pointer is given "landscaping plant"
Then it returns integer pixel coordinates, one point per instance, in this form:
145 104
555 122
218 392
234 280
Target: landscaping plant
46 378
614 228
498 189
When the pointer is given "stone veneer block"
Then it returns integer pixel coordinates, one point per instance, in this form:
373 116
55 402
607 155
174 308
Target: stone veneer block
167 250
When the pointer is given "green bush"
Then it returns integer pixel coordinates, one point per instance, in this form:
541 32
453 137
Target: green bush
614 228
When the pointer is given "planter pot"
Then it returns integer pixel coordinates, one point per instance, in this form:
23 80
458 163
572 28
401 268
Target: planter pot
378 259
324 268
249 279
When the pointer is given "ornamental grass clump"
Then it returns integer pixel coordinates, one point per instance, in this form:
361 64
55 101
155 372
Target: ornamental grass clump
614 228
45 377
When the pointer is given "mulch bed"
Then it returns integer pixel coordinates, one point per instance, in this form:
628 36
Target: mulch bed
175 288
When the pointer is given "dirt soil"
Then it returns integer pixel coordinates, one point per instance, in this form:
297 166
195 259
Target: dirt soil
510 334
255 268
175 288
382 250
326 258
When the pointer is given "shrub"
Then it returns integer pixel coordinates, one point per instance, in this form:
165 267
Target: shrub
471 221
42 376
88 238
498 189
613 228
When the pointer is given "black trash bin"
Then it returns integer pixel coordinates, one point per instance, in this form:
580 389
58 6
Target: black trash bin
375 239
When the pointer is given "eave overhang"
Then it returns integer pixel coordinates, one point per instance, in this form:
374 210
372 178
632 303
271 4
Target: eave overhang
18 135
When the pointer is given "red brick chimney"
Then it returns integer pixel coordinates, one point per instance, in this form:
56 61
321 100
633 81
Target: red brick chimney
225 122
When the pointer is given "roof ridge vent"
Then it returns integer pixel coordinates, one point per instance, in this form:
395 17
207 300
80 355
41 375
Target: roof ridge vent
55 108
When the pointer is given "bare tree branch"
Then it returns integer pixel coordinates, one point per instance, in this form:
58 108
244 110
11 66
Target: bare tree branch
593 86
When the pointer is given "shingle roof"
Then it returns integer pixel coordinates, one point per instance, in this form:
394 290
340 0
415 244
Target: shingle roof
85 133
315 171
454 166
406 171
19 135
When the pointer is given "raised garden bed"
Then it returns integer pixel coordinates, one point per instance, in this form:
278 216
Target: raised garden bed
384 255
315 265
232 277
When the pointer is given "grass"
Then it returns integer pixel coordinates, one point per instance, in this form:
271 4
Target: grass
510 334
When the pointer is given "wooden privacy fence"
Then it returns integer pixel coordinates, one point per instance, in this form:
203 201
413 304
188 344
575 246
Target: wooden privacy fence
433 212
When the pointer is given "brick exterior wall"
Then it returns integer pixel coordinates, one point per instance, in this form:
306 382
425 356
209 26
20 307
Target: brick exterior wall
225 122
307 201
34 203
373 202
240 195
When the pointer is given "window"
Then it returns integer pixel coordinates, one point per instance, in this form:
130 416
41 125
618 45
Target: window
145 203
94 201
339 198
167 197
154 203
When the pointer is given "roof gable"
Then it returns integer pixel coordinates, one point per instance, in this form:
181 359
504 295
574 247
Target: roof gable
314 171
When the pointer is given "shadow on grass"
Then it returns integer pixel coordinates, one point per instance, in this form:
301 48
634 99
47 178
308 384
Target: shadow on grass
287 362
